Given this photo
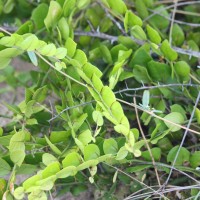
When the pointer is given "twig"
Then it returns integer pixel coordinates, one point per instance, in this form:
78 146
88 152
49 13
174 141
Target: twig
165 1
147 145
121 171
167 166
177 21
112 18
174 188
4 30
97 34
172 21
183 139
140 42
154 115
171 6
194 78
68 108
157 86
61 72
187 13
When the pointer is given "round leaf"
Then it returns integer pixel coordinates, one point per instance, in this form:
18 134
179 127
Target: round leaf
174 117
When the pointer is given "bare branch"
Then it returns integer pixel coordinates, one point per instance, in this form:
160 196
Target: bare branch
104 36
157 86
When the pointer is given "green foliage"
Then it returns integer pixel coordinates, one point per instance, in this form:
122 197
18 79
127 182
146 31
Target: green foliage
73 128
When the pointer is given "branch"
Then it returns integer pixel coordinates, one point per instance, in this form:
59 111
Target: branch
140 42
157 86
97 35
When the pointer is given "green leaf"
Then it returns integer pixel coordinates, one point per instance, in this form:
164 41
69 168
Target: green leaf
160 22
117 111
69 7
8 41
108 96
178 36
197 114
17 147
131 19
64 28
59 136
51 170
85 137
91 152
110 146
156 153
87 164
40 94
47 158
72 159
53 147
39 14
33 58
6 55
137 168
195 159
183 156
70 46
80 57
8 6
27 169
157 68
141 9
60 65
90 69
182 69
105 53
122 153
37 195
97 83
17 156
47 49
145 98
67 171
138 33
141 57
165 144
47 183
30 43
53 14
141 74
118 6
174 117
1 131
153 35
19 193
122 129
178 108
97 117
26 27
167 51
4 167
83 4
61 52
28 183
